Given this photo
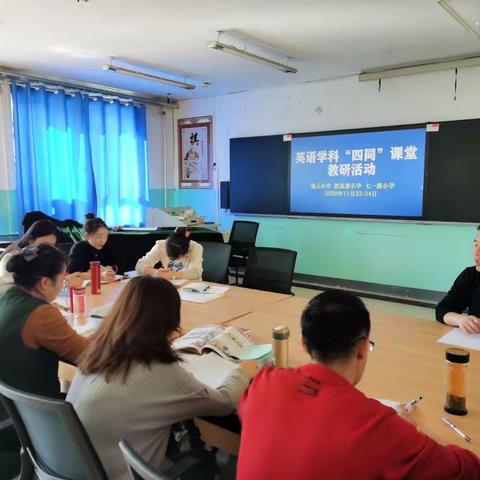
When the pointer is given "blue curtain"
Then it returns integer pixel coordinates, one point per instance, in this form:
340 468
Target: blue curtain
76 155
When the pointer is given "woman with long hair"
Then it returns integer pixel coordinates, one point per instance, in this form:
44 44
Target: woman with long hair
42 231
131 383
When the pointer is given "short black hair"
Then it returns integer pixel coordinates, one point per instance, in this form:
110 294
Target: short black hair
33 263
332 324
177 245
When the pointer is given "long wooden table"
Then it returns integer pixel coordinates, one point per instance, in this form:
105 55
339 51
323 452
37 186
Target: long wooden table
407 362
235 303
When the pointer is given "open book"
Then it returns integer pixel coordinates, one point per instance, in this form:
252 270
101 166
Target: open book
229 343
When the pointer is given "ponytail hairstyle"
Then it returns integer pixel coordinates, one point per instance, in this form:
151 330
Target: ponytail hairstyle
178 243
93 224
41 228
35 262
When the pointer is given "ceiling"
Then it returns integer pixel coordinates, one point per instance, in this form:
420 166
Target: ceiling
322 38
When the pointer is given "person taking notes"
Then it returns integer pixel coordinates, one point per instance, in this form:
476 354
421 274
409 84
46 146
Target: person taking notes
42 231
132 384
94 248
180 257
312 423
461 305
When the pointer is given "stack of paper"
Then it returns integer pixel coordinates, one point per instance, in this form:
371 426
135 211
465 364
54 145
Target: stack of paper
209 369
87 328
202 292
461 339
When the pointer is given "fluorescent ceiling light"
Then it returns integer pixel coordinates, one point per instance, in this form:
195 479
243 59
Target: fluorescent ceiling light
416 69
148 76
223 47
448 7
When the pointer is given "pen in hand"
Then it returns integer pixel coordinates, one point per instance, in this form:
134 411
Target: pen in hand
408 406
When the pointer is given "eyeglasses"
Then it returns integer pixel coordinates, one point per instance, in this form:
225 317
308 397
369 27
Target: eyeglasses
371 345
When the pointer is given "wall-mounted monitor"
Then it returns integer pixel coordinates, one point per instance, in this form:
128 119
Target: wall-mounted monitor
369 173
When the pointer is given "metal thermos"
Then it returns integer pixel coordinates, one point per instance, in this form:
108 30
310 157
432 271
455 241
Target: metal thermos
280 335
95 288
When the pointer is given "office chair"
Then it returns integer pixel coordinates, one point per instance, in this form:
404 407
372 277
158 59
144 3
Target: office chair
242 237
195 464
216 257
65 248
10 459
52 436
270 269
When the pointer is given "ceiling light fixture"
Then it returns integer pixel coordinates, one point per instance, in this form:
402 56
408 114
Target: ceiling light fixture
417 69
223 47
148 76
448 7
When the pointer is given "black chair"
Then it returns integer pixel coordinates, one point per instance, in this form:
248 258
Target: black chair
52 436
65 248
195 464
216 257
242 237
270 269
10 460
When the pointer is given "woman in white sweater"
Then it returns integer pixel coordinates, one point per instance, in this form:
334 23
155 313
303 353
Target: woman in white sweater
131 383
180 257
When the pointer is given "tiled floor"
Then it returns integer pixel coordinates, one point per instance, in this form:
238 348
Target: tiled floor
372 304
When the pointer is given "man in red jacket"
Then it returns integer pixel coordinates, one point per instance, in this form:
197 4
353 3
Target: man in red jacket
311 422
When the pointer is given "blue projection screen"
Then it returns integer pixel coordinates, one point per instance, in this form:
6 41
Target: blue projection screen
373 173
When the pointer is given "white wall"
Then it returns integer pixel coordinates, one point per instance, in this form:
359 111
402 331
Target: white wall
411 255
345 103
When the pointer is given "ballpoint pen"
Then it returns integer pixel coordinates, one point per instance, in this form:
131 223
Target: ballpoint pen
411 404
456 430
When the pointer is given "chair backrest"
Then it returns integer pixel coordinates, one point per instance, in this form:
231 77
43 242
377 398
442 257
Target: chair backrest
243 236
138 468
53 436
196 464
270 269
215 261
65 248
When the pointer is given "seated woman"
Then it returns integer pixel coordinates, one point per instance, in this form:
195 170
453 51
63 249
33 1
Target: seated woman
42 231
464 296
310 422
131 383
180 257
93 248
34 335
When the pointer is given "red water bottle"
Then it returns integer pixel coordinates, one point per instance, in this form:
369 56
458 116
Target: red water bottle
95 278
70 299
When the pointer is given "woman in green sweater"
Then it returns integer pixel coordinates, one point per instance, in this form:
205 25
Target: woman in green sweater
34 335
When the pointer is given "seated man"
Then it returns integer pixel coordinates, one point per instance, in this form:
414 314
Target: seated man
464 296
311 422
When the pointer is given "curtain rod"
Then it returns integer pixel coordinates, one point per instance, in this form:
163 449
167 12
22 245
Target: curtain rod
52 82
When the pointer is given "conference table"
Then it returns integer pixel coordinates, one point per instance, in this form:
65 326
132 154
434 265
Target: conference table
407 360
236 303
